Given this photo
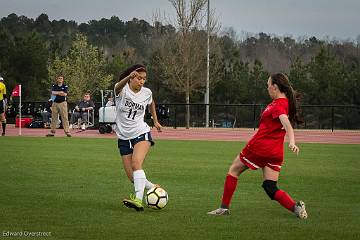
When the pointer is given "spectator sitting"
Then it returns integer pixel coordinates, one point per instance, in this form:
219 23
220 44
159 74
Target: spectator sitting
81 111
46 113
110 102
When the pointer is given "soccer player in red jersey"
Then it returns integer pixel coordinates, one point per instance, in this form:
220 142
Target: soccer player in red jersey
265 149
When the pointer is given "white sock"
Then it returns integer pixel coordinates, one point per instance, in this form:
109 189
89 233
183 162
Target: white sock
139 183
148 185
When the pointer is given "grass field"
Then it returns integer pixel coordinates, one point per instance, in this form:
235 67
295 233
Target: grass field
73 189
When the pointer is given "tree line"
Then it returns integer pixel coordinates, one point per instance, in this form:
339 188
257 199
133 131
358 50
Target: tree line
91 56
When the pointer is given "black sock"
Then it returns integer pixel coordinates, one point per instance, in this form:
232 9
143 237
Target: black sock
3 126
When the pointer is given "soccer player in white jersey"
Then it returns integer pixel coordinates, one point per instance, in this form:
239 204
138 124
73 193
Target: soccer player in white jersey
134 138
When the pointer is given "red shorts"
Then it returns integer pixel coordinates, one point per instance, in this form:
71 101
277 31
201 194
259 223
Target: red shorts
255 162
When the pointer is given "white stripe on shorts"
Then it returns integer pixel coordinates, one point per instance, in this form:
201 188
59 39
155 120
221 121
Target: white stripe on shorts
252 164
274 165
147 136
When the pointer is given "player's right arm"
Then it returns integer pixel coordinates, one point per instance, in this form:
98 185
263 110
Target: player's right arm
5 97
121 84
4 93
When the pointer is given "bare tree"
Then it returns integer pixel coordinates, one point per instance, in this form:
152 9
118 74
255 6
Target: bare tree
182 56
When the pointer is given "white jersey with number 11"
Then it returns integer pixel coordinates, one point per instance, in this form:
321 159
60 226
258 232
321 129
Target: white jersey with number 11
130 112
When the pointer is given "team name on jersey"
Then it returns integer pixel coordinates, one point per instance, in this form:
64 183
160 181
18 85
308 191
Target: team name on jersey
133 105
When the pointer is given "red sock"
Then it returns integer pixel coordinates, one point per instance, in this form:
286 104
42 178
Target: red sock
285 200
229 189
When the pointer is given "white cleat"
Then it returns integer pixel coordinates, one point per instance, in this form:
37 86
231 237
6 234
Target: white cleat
220 211
300 211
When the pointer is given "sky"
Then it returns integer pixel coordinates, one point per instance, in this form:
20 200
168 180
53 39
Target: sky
324 19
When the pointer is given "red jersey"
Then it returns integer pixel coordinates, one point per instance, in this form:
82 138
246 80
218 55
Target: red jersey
268 141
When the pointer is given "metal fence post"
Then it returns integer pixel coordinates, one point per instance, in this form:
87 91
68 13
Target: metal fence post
254 116
332 119
175 117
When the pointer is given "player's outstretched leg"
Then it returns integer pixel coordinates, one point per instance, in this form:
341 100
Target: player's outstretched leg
300 211
220 211
229 189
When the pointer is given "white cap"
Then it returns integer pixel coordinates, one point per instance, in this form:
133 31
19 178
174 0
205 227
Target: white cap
1 79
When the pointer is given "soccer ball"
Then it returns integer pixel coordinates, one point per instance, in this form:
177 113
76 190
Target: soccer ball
156 198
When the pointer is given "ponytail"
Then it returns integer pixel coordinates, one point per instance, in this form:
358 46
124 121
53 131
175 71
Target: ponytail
282 81
294 108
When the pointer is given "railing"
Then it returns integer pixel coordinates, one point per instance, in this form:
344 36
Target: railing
248 116
228 115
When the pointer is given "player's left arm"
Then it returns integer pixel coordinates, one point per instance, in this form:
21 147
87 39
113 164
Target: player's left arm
154 116
290 132
5 100
4 96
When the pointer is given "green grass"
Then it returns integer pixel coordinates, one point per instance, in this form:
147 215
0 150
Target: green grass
73 189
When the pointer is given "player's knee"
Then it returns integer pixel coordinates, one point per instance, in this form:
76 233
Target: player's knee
270 188
236 168
136 165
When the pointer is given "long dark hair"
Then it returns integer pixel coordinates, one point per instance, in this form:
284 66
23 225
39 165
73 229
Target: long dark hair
137 67
284 85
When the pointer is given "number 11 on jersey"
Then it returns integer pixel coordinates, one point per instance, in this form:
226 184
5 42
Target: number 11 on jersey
133 114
